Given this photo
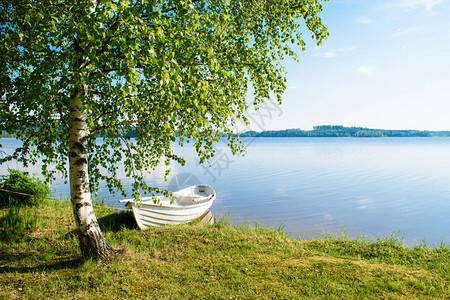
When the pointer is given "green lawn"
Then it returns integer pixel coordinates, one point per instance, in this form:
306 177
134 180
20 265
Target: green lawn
200 261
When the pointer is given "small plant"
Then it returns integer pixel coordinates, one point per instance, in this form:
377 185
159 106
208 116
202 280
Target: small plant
223 221
15 224
22 182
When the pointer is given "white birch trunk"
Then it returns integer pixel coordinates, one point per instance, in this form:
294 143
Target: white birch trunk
92 242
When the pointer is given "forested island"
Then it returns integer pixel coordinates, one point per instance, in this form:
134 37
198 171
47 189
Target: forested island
342 131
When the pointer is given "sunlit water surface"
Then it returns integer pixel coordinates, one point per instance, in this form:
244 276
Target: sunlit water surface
369 186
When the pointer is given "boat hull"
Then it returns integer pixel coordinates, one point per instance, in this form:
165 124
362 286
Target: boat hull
189 205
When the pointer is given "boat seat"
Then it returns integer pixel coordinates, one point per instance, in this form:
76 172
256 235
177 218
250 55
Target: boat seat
196 198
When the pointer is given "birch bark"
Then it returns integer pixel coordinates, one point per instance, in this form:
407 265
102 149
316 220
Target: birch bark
92 242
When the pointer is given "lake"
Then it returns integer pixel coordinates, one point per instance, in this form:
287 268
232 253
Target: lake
369 186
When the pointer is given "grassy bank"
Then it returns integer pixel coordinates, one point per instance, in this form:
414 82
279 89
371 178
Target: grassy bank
209 262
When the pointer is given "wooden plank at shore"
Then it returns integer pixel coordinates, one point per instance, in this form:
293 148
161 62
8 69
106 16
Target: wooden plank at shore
207 217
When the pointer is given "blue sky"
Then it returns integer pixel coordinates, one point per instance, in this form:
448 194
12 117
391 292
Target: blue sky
385 65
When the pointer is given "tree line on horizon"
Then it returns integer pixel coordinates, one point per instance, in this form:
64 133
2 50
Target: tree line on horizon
342 131
324 131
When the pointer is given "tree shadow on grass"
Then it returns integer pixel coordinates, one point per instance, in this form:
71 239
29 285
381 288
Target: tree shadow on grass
58 263
117 221
113 222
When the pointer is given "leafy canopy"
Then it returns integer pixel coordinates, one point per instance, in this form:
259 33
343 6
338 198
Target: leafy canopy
171 70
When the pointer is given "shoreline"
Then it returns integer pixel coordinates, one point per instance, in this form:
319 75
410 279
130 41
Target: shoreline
210 261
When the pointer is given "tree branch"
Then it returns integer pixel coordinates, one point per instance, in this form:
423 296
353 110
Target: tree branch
133 168
112 28
99 93
61 115
116 125
103 71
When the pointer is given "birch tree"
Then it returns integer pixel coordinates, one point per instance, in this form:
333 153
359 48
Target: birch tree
172 71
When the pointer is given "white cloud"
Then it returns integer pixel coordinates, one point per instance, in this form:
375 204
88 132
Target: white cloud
403 31
428 4
364 20
334 53
365 70
328 54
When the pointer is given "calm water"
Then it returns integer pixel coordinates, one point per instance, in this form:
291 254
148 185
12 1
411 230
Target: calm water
372 186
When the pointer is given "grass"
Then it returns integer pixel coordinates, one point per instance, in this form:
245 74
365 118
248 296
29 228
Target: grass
221 261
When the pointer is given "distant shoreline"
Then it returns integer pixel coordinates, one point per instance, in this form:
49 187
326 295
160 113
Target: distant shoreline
356 137
342 131
324 131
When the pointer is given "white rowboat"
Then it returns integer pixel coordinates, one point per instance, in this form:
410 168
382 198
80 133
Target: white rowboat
189 204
